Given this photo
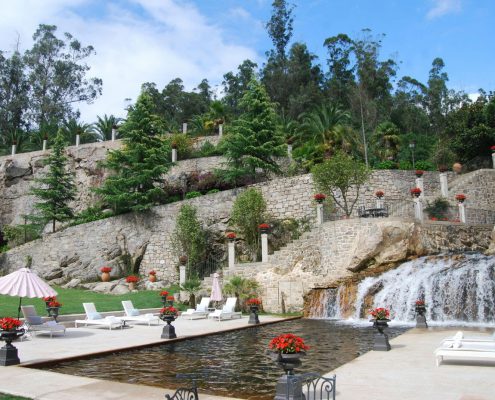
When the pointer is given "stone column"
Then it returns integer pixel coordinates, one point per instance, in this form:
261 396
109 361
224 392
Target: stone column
44 144
182 279
231 251
444 188
114 133
319 214
78 140
14 148
418 209
379 202
174 155
184 127
420 184
493 159
220 130
264 247
462 212
289 151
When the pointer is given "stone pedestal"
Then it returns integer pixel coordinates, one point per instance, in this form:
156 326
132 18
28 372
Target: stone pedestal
182 279
418 209
289 151
462 212
78 140
444 188
184 127
114 134
421 321
174 155
9 356
220 130
319 213
253 316
44 144
493 159
379 202
168 331
380 339
420 184
264 247
231 252
14 148
286 391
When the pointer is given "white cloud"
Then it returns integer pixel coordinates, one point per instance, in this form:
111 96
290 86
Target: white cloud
442 7
166 40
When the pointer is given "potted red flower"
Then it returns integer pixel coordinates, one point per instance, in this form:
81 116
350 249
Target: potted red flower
254 304
170 300
152 276
132 280
415 192
492 148
53 309
8 324
460 197
288 349
231 236
10 329
419 173
105 273
168 314
379 194
420 309
183 260
442 168
320 197
164 295
263 228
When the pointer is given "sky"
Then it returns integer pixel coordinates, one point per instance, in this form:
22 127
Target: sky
139 41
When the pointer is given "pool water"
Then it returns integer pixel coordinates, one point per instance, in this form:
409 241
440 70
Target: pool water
233 364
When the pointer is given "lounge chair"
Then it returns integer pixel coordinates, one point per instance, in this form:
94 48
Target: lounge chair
462 351
95 318
132 314
459 336
227 312
201 310
34 323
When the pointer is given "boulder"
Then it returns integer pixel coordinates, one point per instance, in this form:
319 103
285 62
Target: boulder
105 287
120 289
72 284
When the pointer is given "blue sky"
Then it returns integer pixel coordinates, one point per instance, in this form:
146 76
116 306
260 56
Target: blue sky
158 40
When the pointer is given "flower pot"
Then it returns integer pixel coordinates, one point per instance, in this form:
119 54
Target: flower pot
288 361
421 317
132 285
8 353
152 278
168 331
253 316
53 312
381 338
105 276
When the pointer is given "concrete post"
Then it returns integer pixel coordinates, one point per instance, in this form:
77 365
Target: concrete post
493 159
44 144
289 151
14 148
420 184
319 214
220 130
231 251
114 134
418 209
184 127
174 155
264 247
462 212
182 280
444 189
379 202
78 140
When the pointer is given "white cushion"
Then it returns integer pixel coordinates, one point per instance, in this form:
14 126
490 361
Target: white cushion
34 320
134 312
457 344
94 315
458 335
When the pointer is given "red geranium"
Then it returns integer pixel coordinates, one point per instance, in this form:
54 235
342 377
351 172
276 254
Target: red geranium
419 172
163 293
9 324
415 191
460 197
420 303
132 279
169 311
380 313
171 298
288 344
152 272
253 302
231 235
492 148
54 304
320 196
264 226
106 269
379 193
49 299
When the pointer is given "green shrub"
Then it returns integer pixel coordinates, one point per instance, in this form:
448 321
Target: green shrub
192 195
387 164
91 214
172 199
438 209
208 150
213 191
189 237
19 234
183 143
424 165
405 165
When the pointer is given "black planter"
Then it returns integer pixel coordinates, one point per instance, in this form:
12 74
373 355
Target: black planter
286 390
253 316
8 353
53 312
380 342
421 317
170 303
168 331
164 301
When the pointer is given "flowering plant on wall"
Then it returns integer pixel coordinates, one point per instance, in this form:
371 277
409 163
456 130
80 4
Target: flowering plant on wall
9 324
420 303
132 279
379 194
106 269
320 197
263 227
152 272
231 235
380 313
288 344
415 192
460 197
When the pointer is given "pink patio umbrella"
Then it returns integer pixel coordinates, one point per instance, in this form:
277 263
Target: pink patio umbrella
216 290
25 283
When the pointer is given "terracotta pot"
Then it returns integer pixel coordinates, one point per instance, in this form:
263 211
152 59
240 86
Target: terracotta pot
457 168
105 276
152 278
131 285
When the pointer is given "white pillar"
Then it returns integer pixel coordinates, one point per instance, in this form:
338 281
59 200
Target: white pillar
319 213
444 189
289 151
379 202
462 212
182 279
174 155
420 184
264 247
220 130
418 209
78 140
44 144
114 133
231 250
493 159
184 127
14 148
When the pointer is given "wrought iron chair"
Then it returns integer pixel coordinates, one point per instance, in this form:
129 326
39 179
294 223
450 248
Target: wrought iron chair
184 394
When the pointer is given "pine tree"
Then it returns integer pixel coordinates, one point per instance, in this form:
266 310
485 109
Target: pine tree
140 164
56 188
254 139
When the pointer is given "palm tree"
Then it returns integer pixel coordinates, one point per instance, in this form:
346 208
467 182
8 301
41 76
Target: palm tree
386 141
73 127
241 288
191 286
103 127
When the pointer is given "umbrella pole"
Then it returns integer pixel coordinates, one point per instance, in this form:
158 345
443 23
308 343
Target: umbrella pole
19 308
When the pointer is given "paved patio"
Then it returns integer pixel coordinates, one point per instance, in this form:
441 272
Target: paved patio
407 372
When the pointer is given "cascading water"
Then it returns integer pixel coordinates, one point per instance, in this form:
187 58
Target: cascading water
456 289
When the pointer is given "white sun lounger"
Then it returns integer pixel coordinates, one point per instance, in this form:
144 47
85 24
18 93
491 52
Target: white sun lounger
201 310
133 315
95 318
227 312
459 336
480 351
35 324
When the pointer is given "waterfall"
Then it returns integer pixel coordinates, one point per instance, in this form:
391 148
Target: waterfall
456 288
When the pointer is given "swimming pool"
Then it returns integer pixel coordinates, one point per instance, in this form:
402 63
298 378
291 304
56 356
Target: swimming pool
232 364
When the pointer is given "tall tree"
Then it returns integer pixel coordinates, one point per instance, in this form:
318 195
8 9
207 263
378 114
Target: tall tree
56 188
140 164
104 125
235 85
280 26
254 140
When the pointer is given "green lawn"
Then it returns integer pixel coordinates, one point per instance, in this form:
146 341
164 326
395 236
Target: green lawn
72 300
10 397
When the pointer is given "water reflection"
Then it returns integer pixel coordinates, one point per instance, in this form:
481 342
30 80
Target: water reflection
232 364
